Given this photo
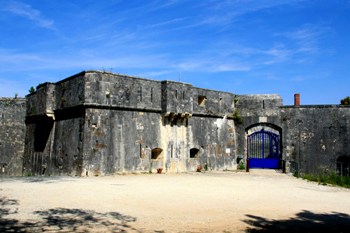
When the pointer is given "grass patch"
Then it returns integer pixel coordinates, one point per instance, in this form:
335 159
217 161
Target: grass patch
334 179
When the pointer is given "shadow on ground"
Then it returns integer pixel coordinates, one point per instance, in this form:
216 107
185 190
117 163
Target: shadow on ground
39 179
63 220
304 221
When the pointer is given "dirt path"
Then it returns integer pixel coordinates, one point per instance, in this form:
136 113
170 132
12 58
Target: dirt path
196 202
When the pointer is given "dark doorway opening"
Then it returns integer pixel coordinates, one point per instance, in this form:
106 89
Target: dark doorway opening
157 153
194 153
42 133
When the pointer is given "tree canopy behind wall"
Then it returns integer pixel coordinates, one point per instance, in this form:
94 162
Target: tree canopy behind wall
345 101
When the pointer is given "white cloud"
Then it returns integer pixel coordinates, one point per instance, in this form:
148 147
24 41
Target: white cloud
26 11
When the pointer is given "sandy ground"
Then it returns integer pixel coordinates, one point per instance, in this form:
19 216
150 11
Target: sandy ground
259 201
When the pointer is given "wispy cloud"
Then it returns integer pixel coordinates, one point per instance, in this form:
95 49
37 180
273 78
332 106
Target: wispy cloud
9 88
19 61
226 11
298 79
298 45
209 65
306 37
13 56
277 54
26 11
165 23
11 60
160 4
153 74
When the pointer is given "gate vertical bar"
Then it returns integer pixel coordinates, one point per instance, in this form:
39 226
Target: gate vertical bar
263 144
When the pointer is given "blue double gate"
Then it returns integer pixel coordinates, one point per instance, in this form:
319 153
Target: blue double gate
264 150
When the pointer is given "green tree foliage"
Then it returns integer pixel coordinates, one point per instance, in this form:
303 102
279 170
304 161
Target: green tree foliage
31 90
345 101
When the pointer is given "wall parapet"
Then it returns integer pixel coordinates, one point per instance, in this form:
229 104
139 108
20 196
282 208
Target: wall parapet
107 90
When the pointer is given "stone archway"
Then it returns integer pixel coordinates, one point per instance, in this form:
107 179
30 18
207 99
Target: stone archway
264 146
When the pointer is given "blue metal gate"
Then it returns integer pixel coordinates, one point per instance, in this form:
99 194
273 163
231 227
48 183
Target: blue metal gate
264 150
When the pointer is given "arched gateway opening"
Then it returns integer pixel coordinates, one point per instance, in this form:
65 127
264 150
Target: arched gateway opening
264 146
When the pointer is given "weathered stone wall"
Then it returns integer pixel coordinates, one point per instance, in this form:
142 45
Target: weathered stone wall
216 140
69 92
54 147
119 141
134 116
97 123
12 133
42 101
55 119
259 105
315 137
215 103
106 89
122 141
177 98
37 146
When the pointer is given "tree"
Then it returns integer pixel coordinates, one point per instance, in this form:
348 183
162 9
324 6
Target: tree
31 90
345 101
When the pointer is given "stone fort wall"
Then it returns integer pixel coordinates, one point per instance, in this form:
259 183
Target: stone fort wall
12 135
316 137
98 123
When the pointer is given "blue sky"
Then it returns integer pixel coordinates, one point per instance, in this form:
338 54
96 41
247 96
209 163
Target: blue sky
241 46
